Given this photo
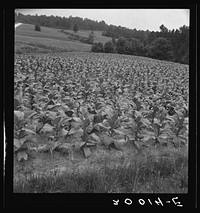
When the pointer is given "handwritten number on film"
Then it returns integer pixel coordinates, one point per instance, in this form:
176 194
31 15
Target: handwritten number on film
157 202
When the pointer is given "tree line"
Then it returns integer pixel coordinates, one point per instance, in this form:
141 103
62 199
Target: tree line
171 45
61 22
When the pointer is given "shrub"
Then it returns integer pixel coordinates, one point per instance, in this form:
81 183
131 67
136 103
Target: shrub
37 27
109 47
120 45
76 28
136 46
91 38
97 47
113 41
161 48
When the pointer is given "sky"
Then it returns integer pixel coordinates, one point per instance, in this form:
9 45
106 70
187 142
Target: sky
141 19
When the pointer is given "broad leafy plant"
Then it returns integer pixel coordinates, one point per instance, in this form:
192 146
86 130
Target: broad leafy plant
81 101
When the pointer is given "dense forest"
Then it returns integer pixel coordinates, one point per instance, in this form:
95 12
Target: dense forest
171 45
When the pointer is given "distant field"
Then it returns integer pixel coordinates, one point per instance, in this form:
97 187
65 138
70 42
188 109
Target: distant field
21 47
28 40
51 40
52 44
97 35
46 32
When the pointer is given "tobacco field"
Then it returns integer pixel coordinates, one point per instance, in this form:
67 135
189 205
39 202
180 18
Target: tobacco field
68 102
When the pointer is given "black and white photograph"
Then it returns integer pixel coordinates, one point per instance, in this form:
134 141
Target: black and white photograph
100 106
101 101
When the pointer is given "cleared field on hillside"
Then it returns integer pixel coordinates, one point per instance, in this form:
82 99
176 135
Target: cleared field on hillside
48 40
21 47
46 32
28 40
52 44
97 35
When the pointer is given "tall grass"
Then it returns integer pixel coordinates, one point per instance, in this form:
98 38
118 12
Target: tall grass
145 175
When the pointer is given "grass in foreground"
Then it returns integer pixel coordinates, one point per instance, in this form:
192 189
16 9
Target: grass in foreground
142 176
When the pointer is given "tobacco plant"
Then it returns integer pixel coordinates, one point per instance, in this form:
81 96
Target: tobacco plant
81 101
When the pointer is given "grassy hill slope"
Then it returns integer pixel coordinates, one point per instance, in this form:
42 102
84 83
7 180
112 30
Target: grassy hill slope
28 40
46 32
97 35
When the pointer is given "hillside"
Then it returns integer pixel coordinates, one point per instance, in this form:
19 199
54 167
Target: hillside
46 32
51 40
97 35
150 43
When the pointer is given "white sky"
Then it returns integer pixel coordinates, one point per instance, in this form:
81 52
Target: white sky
141 19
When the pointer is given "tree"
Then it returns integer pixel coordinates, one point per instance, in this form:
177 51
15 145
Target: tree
127 47
37 27
102 25
97 47
163 29
179 38
184 44
161 48
91 38
113 41
109 47
135 46
152 36
76 28
147 50
120 45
